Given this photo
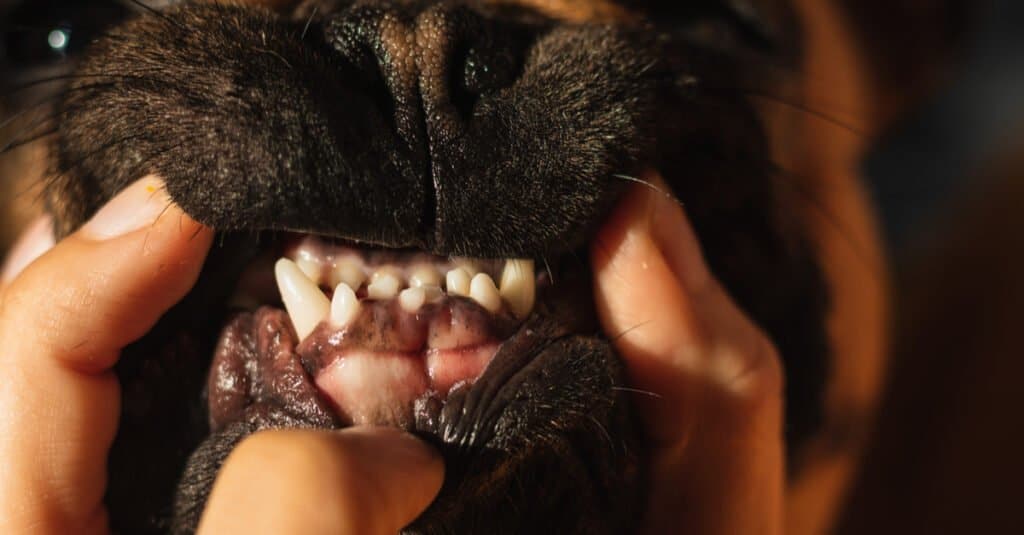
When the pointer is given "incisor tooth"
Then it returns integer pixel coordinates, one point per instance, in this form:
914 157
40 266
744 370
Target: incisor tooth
311 268
483 291
348 272
412 299
384 286
307 306
344 306
424 276
457 282
519 286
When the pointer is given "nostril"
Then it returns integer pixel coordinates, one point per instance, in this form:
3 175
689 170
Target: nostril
481 66
374 83
488 68
465 92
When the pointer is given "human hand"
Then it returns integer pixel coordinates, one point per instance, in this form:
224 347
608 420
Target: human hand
708 381
64 318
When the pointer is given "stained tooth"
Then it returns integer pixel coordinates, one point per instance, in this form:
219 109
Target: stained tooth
305 303
349 272
344 306
412 299
433 293
424 276
483 291
457 282
385 285
310 268
519 286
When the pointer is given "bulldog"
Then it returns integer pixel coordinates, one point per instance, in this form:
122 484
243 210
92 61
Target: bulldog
403 192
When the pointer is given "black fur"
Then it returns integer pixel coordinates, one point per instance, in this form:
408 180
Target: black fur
505 140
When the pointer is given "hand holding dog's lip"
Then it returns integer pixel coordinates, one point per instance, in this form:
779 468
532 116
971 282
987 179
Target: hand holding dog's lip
63 323
708 380
361 480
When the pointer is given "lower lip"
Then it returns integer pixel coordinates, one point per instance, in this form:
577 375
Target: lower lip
380 387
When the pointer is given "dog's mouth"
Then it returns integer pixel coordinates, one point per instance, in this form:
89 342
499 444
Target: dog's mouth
353 335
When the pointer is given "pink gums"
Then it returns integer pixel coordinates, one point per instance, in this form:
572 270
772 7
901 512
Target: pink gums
375 368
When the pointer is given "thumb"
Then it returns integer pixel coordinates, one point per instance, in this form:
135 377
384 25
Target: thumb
365 480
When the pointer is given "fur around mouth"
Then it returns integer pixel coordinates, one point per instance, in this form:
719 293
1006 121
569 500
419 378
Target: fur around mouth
358 336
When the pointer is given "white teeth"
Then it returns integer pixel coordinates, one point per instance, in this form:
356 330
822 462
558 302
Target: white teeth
344 306
519 286
384 285
483 291
424 276
307 306
411 299
311 268
457 282
348 272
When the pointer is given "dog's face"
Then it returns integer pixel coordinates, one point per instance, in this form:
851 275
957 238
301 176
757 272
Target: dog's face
424 143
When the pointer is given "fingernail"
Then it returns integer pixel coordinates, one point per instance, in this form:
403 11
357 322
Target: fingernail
36 240
137 206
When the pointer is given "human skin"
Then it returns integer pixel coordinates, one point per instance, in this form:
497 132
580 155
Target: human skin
714 425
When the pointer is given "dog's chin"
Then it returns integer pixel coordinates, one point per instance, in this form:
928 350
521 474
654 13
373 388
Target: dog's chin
503 370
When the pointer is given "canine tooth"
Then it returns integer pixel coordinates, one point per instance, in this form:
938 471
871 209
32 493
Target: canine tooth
483 291
311 268
457 282
519 286
348 272
344 306
424 276
412 299
305 303
385 285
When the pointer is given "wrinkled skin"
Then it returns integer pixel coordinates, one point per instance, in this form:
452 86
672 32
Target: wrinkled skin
458 128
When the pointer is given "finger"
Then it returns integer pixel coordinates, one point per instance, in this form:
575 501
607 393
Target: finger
708 380
63 321
356 481
680 333
36 240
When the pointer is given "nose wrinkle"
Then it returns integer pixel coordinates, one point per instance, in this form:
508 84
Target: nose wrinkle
415 55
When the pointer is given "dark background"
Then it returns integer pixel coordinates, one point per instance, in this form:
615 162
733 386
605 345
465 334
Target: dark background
933 156
948 451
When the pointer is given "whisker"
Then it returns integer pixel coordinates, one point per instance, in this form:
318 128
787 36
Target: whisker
309 22
629 330
637 391
604 432
547 266
21 143
860 249
650 185
745 91
12 91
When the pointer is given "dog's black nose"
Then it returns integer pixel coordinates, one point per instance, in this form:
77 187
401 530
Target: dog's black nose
427 67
